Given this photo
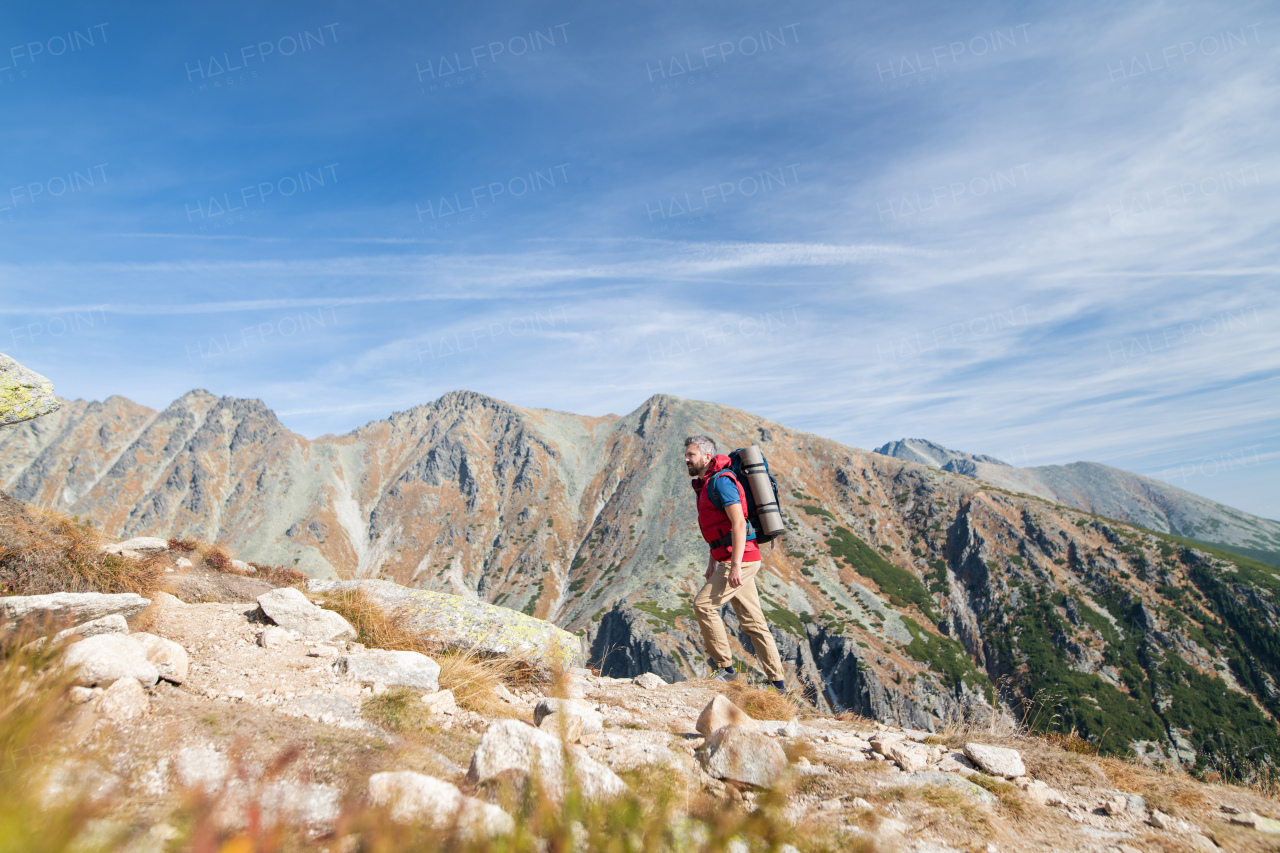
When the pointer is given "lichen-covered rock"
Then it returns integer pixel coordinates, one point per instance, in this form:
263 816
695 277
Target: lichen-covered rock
79 606
462 623
24 394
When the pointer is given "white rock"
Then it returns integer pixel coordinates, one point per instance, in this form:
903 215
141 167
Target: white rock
311 804
592 720
141 545
720 712
996 760
323 651
791 729
113 624
169 657
81 606
909 756
184 563
201 767
649 681
242 566
289 608
420 799
739 754
509 745
1040 793
124 700
442 702
106 658
392 668
274 637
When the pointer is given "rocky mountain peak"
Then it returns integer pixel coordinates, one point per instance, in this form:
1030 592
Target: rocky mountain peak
925 452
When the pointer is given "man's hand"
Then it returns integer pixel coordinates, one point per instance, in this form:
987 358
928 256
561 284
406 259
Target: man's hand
711 568
735 575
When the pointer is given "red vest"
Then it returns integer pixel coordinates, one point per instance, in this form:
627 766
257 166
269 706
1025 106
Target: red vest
714 521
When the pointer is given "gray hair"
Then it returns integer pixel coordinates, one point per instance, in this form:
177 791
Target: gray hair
703 443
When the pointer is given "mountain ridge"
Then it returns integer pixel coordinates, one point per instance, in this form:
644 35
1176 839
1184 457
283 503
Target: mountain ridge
1111 492
901 591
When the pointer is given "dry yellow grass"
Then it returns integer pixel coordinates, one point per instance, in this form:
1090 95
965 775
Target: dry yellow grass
42 551
760 704
32 703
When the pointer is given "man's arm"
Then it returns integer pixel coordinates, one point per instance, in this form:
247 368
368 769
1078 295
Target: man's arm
739 522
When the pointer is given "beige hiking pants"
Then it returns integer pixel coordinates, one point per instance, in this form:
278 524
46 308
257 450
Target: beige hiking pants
746 603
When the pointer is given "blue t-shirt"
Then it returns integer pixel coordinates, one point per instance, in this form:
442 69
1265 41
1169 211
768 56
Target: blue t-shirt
724 491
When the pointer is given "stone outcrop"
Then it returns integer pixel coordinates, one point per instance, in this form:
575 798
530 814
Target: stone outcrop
457 622
24 394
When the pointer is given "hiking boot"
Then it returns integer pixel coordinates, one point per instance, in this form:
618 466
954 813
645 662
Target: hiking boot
780 686
726 674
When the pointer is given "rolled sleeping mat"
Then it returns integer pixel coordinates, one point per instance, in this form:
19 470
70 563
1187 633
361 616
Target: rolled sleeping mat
768 513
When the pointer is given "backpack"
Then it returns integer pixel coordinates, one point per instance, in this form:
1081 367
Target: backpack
742 472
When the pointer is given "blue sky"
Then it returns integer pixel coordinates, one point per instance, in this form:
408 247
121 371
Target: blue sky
1041 231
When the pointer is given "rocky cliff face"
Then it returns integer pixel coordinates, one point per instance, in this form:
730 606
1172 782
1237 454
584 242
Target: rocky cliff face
901 591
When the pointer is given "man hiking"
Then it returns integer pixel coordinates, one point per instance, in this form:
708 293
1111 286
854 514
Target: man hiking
732 564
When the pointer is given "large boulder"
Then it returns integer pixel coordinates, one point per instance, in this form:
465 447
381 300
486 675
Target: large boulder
24 394
104 659
740 755
78 606
457 622
392 668
420 799
510 747
289 608
720 712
